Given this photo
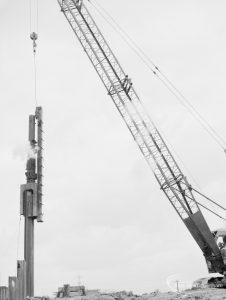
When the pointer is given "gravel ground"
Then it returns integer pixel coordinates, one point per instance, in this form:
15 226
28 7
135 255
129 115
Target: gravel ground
205 294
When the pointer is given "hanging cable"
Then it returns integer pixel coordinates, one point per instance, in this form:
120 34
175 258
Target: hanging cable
161 76
34 15
37 16
30 12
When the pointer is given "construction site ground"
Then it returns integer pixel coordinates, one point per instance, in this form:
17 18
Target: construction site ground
205 294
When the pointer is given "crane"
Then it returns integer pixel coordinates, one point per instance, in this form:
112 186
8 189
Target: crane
120 88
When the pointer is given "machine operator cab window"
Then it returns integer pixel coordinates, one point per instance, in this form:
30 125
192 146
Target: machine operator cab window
220 238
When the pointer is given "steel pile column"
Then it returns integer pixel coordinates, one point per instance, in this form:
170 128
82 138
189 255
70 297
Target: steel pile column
31 196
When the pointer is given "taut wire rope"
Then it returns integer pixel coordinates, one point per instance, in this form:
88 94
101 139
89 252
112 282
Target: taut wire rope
161 76
34 16
168 84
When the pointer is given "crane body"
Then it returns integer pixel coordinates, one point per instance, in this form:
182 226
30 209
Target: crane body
148 138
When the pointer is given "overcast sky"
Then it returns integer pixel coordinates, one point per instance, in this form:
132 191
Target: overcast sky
105 216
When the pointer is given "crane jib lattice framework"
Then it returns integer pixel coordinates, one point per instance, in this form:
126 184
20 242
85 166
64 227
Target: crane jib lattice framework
150 142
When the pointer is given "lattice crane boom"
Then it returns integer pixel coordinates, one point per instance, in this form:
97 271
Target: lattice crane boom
150 142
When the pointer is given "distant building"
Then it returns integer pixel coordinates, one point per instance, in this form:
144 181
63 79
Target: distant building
75 291
71 291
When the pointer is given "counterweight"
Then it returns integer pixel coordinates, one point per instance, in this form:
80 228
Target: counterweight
120 88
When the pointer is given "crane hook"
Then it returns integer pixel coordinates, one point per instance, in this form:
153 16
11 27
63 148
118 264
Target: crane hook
34 38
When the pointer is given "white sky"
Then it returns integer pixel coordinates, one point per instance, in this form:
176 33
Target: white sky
105 217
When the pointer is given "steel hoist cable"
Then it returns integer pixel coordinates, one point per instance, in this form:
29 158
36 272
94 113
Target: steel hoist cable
158 73
33 18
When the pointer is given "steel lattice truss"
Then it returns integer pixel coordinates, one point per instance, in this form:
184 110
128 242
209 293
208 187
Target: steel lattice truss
39 118
120 88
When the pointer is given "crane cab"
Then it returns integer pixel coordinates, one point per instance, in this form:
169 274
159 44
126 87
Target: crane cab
220 238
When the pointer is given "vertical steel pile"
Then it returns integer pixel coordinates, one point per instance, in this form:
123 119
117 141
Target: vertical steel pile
31 196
